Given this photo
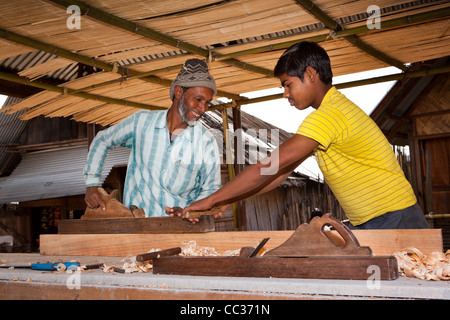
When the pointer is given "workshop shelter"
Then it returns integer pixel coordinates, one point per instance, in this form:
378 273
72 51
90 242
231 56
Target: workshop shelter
97 62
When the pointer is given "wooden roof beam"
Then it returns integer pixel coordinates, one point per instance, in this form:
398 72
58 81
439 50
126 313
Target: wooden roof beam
21 80
330 23
111 67
385 24
157 36
351 84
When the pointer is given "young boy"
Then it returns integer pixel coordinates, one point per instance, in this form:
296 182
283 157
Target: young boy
354 156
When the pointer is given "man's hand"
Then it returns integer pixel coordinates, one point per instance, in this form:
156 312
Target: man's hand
93 199
175 211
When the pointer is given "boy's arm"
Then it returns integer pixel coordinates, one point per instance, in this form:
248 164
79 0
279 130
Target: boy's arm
262 176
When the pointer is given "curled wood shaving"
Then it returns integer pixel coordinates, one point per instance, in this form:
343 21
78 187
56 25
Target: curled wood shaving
414 264
191 249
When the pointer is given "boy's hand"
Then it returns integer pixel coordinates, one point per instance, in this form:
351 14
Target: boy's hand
177 211
203 204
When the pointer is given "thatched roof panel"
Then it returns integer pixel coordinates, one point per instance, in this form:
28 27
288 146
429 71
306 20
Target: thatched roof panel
136 48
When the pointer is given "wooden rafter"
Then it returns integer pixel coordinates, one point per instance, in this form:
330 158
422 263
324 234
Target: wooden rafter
330 23
356 83
385 24
147 32
62 90
39 45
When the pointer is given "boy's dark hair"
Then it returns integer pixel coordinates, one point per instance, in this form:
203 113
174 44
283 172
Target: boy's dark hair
294 61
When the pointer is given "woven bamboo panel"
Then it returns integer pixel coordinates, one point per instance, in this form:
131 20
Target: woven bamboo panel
437 100
433 125
164 63
34 100
234 20
430 41
42 69
90 80
10 49
50 26
207 23
51 105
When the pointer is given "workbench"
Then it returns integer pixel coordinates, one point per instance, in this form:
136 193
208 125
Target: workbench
95 284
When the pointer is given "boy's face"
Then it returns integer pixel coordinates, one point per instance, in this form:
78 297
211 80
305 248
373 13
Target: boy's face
299 93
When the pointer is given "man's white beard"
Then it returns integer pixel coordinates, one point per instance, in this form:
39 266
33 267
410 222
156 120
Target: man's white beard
182 111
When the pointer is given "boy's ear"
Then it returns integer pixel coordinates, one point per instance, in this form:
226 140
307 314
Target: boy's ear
310 72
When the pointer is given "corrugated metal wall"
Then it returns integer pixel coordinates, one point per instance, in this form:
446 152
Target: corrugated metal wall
11 128
53 173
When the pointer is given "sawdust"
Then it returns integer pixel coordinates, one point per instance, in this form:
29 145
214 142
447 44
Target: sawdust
413 263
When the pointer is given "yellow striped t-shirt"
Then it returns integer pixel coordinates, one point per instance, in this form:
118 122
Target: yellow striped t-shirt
356 160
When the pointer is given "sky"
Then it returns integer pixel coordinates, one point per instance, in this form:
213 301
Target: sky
280 114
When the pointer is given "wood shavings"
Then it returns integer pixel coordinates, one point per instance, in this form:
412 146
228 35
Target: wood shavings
131 265
414 264
107 268
191 249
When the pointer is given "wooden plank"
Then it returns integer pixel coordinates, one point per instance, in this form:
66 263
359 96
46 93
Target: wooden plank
382 242
346 268
136 225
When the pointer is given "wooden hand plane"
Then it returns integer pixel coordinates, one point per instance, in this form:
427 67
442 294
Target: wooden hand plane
310 252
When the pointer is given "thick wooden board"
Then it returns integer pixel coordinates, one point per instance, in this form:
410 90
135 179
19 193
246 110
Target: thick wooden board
382 242
346 268
136 225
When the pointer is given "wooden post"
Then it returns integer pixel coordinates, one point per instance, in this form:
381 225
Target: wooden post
228 157
428 182
238 167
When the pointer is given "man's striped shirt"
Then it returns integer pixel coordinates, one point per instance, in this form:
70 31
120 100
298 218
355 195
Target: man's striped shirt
160 173
356 160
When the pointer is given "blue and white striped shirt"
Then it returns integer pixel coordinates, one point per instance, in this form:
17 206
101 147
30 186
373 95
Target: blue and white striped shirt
160 173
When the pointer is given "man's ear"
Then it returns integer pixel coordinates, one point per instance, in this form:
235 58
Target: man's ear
178 92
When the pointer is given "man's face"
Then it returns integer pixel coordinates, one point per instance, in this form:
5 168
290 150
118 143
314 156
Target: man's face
299 93
194 103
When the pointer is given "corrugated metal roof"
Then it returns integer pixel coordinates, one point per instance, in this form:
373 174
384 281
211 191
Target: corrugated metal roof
54 173
11 128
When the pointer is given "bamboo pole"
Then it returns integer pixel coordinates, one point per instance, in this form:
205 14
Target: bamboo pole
352 39
351 84
125 72
229 156
385 24
154 35
16 79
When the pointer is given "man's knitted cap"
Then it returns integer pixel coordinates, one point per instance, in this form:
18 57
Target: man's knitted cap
194 73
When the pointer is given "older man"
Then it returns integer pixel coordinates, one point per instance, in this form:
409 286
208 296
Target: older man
173 159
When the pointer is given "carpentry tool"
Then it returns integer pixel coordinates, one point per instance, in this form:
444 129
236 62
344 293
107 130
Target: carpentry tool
197 214
57 266
310 252
157 254
258 248
135 225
